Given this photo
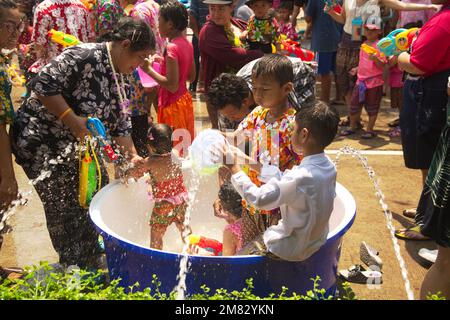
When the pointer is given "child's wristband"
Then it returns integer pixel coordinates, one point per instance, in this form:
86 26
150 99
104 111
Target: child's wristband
65 113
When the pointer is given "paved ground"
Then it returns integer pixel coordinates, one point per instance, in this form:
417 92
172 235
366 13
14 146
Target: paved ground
29 243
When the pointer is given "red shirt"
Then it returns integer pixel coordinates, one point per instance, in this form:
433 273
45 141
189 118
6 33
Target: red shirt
431 50
217 53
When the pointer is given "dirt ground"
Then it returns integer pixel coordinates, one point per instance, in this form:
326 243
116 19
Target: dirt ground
28 242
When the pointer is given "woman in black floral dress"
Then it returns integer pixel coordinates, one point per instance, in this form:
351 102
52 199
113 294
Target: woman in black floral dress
84 81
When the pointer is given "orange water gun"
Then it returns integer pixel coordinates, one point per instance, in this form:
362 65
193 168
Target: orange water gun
208 244
90 178
64 39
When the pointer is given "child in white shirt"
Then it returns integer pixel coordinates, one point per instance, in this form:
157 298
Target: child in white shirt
305 194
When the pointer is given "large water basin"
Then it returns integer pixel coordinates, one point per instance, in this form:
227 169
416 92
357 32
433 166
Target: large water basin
121 214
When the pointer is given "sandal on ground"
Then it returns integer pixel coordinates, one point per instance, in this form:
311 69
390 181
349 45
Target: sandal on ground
410 213
429 255
396 132
370 257
411 234
369 135
347 132
394 123
11 273
357 274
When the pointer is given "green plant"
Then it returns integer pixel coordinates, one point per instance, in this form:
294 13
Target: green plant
43 282
436 296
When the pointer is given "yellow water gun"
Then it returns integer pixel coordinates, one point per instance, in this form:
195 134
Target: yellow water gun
370 50
90 174
64 39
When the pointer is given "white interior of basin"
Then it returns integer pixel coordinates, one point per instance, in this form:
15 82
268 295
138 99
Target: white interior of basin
124 211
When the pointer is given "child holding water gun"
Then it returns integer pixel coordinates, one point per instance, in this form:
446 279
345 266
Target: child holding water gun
368 90
177 67
262 29
284 12
396 88
167 188
230 208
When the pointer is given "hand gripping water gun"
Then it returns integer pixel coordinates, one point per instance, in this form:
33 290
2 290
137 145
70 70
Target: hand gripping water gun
294 50
370 50
97 129
209 244
64 39
397 41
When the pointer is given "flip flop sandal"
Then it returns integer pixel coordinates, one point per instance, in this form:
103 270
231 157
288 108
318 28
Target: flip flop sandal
410 213
429 255
368 135
357 274
347 132
370 257
414 234
394 123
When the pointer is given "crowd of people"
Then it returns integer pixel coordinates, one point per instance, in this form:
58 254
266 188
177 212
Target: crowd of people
263 102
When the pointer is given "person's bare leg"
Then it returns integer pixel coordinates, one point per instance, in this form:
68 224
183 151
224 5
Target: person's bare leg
156 237
438 276
354 119
371 124
325 91
338 92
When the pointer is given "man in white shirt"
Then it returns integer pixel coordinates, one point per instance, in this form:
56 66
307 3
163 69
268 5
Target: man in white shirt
305 194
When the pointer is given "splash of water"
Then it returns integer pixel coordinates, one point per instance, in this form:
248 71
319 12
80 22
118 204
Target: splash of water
387 213
193 187
21 201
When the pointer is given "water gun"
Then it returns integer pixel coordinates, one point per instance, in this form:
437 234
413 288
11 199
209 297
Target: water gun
334 5
209 244
397 41
97 129
294 50
64 39
88 4
89 181
370 50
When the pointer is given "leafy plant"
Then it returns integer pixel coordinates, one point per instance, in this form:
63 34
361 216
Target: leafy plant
43 282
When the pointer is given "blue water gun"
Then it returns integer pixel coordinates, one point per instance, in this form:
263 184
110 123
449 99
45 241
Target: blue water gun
96 127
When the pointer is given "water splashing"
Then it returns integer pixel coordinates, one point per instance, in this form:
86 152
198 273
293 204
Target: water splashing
21 200
193 187
387 212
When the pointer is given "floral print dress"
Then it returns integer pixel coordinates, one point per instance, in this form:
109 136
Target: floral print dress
68 16
83 76
108 13
270 143
6 105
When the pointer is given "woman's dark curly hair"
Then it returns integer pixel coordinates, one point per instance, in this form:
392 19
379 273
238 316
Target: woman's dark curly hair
227 89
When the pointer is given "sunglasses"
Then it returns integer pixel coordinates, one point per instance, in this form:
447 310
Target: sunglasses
12 27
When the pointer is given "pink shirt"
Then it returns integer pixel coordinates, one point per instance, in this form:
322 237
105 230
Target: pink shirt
431 50
181 50
368 71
